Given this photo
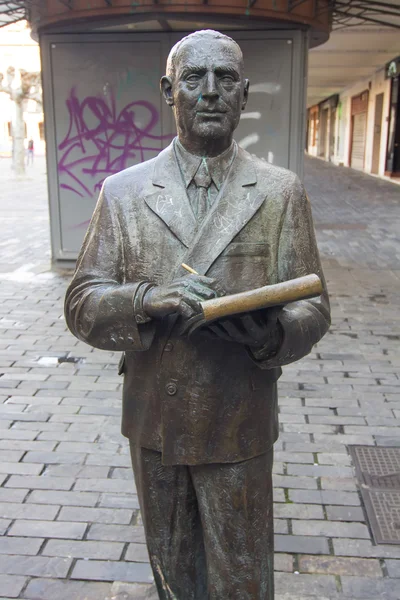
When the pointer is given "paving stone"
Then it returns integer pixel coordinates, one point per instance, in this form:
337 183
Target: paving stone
119 501
282 481
11 585
112 571
366 589
364 548
283 562
43 482
298 511
345 513
120 533
137 553
20 468
77 471
281 526
38 566
118 516
52 589
11 455
333 565
39 426
319 585
48 529
7 495
300 544
122 473
54 458
64 498
28 511
15 545
333 459
16 434
325 497
132 591
348 484
393 568
105 485
4 525
319 471
330 529
109 460
85 549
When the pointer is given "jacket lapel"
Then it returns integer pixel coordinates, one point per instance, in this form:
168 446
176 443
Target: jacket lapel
168 197
235 205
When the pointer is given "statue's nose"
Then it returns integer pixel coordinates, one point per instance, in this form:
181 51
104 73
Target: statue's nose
210 87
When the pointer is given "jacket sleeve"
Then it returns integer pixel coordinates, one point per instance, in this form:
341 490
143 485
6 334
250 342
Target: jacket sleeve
305 322
101 309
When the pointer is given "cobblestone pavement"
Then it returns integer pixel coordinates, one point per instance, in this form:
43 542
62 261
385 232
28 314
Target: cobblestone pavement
69 516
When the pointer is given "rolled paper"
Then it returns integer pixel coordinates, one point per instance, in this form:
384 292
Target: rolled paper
277 294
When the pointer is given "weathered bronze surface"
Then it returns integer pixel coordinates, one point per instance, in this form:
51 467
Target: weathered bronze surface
200 410
277 294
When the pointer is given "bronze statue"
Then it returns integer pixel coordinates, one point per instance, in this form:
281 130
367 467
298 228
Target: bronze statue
200 407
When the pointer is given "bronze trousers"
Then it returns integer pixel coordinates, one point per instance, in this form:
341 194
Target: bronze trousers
209 528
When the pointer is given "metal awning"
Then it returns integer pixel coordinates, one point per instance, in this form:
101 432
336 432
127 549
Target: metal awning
11 12
345 13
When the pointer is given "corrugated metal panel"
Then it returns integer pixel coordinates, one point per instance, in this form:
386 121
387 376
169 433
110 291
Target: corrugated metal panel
358 142
11 12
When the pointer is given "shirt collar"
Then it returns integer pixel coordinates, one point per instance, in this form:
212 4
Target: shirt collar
217 165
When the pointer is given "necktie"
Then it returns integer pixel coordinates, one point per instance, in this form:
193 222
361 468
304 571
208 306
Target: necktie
202 179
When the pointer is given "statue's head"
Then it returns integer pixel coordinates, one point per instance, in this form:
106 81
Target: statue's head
205 86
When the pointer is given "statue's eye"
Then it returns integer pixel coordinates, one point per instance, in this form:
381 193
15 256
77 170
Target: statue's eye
193 78
227 79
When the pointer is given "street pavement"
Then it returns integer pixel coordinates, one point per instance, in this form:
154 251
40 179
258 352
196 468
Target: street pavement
70 525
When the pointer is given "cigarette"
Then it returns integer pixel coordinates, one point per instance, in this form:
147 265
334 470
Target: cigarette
189 269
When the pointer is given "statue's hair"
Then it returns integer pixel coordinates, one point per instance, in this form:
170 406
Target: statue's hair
201 35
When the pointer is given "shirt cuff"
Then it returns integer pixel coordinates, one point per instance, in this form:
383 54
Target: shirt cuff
140 315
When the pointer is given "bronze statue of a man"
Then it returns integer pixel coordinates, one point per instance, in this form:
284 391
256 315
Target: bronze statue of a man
200 410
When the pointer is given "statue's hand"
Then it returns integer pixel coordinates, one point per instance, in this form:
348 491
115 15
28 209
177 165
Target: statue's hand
182 296
258 329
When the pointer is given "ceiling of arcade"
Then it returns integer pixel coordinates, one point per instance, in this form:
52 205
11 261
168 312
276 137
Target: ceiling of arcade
357 47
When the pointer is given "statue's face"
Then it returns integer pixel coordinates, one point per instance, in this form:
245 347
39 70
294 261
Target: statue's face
208 91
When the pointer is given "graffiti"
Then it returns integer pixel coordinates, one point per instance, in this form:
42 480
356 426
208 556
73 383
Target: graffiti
101 140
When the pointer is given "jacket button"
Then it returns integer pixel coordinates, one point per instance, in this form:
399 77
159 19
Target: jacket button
171 389
168 347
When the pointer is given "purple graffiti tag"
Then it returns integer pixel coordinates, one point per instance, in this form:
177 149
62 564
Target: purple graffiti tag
102 141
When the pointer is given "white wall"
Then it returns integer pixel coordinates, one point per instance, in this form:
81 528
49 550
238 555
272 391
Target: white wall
376 84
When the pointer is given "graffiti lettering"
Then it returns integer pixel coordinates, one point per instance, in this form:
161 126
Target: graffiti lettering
102 140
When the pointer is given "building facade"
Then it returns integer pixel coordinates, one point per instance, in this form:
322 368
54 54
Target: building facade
20 51
360 126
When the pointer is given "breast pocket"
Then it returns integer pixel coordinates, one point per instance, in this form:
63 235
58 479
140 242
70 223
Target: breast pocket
246 249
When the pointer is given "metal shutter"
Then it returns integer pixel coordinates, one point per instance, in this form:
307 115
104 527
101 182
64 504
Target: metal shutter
358 142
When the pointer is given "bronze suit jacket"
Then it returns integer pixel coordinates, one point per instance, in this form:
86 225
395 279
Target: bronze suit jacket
196 400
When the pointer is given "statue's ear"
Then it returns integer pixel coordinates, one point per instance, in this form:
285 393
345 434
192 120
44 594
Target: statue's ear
166 89
245 93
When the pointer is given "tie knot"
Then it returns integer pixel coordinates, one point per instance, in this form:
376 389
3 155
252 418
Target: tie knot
202 177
